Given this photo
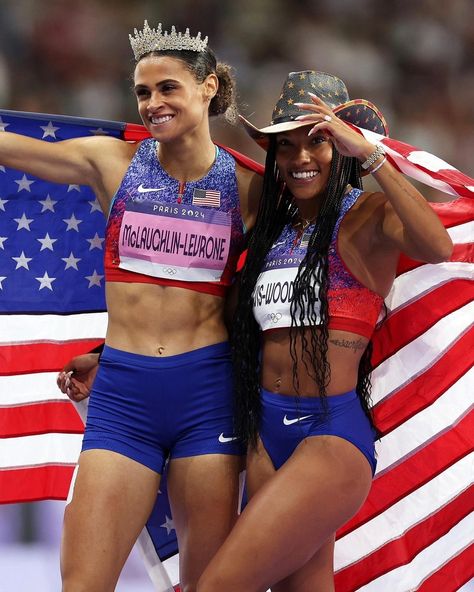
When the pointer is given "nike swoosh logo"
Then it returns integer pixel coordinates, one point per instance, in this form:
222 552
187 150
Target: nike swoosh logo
142 189
287 421
225 439
275 245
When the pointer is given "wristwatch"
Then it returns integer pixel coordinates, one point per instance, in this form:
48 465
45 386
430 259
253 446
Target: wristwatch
376 154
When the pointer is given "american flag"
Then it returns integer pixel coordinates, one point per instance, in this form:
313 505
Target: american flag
52 306
415 530
305 240
209 197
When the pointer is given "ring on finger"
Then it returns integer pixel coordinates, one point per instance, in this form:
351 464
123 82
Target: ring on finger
327 118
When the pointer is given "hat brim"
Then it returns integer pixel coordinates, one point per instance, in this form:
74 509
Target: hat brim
261 135
349 112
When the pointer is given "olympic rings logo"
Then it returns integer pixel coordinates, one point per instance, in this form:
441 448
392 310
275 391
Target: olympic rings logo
274 317
170 270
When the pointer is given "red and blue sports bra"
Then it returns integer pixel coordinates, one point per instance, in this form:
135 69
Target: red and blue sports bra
161 231
352 306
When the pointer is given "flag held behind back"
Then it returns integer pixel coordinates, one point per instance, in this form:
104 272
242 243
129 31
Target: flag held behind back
414 526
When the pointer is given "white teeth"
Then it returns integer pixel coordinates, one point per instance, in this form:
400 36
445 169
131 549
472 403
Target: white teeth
158 120
304 174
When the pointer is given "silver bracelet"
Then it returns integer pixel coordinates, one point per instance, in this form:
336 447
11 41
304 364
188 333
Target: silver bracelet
384 160
376 154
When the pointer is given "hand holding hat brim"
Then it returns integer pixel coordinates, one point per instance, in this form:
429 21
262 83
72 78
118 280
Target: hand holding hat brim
298 88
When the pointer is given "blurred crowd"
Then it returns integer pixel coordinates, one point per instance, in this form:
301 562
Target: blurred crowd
413 59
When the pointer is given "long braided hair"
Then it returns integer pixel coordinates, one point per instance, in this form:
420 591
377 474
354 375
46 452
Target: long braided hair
273 215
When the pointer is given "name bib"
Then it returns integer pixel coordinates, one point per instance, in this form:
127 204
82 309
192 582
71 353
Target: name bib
274 291
181 242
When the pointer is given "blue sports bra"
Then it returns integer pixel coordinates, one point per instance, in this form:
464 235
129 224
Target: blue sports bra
161 231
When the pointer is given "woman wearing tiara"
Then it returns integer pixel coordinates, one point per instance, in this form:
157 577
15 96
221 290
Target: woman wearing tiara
177 207
322 256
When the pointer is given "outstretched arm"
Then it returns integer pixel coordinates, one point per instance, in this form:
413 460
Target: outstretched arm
97 161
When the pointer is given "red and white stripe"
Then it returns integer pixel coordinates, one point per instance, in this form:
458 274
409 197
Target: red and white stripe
40 430
415 531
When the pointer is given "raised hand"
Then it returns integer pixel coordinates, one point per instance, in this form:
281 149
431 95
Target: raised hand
347 141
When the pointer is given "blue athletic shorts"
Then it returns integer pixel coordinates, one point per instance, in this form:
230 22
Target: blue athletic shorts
149 409
287 420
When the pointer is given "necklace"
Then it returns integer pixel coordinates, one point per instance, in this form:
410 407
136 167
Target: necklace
301 223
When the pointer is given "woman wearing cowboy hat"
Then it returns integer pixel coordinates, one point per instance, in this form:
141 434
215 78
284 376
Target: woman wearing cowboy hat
321 260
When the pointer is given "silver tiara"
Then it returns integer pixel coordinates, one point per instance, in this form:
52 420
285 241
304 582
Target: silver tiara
157 40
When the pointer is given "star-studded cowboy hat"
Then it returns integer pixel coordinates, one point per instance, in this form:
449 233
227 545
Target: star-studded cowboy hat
327 87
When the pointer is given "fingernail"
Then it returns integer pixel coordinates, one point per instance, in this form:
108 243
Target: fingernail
313 95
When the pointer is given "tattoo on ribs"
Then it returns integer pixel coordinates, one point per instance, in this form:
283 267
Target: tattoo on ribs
352 344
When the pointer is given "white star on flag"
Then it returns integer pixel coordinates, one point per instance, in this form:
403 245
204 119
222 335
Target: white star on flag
45 281
94 279
1 280
72 223
3 125
24 183
2 240
48 204
71 261
47 242
73 188
2 203
49 130
95 242
168 524
22 261
23 222
95 206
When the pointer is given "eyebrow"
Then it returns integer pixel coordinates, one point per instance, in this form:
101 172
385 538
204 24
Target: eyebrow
161 83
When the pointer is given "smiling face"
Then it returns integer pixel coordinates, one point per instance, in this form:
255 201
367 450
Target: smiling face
171 103
304 162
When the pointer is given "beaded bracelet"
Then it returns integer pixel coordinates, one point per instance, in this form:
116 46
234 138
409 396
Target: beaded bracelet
376 154
383 161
